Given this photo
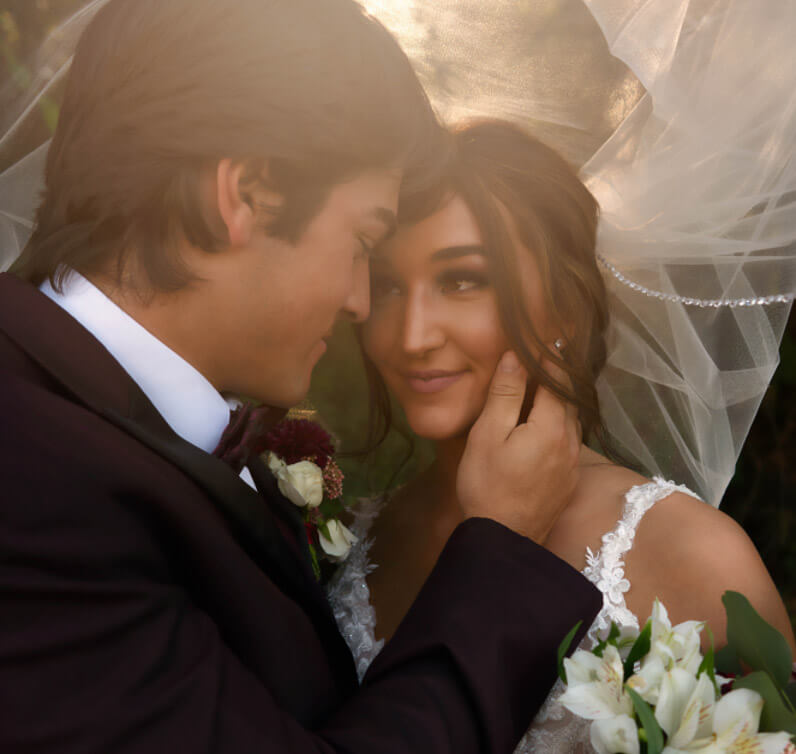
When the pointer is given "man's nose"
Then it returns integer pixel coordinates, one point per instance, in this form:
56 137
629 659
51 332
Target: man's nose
357 305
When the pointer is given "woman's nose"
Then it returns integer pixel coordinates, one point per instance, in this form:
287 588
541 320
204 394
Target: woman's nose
422 329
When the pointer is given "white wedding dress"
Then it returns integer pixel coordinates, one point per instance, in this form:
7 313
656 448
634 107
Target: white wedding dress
554 730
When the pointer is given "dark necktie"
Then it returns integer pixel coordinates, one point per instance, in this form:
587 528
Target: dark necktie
245 439
245 435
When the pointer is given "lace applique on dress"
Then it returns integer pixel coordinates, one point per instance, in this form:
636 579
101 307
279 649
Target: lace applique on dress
348 592
606 569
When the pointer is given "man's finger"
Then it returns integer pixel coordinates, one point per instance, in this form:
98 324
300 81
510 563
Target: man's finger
546 403
503 405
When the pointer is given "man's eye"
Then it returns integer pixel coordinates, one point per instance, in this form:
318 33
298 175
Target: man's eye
365 247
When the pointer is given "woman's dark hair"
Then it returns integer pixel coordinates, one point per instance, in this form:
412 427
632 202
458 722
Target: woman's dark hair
518 188
161 90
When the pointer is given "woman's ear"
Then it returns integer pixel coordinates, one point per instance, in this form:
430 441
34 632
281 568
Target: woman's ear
234 207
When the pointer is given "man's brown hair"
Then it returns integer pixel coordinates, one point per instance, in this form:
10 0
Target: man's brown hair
161 90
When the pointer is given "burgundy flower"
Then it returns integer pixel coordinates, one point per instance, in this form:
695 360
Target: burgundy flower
332 480
295 440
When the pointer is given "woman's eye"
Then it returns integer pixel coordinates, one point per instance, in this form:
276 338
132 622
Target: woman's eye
458 282
382 285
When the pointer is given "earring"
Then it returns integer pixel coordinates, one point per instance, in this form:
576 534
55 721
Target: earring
559 344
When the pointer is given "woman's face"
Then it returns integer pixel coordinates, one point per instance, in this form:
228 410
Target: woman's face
434 332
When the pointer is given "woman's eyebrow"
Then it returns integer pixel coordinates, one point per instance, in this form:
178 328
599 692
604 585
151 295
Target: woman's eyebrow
454 252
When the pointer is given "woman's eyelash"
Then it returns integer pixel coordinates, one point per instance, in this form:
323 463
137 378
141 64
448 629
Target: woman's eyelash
461 281
450 281
381 284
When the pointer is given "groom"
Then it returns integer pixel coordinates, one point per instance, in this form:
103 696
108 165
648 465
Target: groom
220 172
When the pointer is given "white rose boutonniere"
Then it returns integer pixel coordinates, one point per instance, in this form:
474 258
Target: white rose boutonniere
336 540
300 456
301 483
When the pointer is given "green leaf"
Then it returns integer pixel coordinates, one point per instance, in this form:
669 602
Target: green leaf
790 692
640 648
316 566
708 663
331 508
755 642
776 715
649 724
727 661
563 648
613 635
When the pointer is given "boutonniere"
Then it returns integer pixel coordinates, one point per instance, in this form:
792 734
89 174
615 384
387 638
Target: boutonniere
300 454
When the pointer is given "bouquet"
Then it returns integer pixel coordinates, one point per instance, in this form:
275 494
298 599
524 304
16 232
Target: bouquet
654 691
300 454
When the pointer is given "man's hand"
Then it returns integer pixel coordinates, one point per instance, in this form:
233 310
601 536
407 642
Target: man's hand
520 475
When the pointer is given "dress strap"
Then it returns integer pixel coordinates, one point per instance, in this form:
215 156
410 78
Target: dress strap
606 568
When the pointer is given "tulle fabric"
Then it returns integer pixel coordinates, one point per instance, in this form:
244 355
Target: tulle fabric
681 115
697 194
696 183
21 184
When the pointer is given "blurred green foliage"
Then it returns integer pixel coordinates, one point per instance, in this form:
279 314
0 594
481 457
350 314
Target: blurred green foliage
17 47
760 497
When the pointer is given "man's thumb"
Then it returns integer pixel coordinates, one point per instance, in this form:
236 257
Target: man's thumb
506 394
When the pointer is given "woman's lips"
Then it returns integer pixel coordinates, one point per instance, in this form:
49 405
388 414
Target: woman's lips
431 381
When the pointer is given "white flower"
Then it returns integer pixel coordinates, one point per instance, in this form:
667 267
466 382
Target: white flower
340 542
735 724
301 483
647 682
736 718
685 707
676 647
595 685
615 735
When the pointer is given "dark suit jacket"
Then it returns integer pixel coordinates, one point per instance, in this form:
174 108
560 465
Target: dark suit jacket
148 602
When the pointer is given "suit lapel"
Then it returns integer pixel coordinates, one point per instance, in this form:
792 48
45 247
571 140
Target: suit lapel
70 354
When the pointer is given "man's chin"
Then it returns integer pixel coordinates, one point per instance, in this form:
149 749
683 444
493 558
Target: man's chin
292 396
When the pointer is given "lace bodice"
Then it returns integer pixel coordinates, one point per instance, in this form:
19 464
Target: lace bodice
554 729
349 594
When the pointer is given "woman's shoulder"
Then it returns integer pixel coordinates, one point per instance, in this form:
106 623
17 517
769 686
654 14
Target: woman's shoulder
687 554
683 551
670 524
609 494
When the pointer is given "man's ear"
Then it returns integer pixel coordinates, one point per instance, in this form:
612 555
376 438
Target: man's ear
236 212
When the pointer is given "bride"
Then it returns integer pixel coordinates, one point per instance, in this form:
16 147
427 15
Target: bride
499 255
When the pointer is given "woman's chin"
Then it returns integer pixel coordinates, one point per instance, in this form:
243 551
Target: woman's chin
439 428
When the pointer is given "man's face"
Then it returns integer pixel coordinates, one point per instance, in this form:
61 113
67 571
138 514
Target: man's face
272 304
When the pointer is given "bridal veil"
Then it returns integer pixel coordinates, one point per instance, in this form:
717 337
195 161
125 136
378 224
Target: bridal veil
681 115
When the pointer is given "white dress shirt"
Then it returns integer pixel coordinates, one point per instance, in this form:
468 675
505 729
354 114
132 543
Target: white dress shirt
191 406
